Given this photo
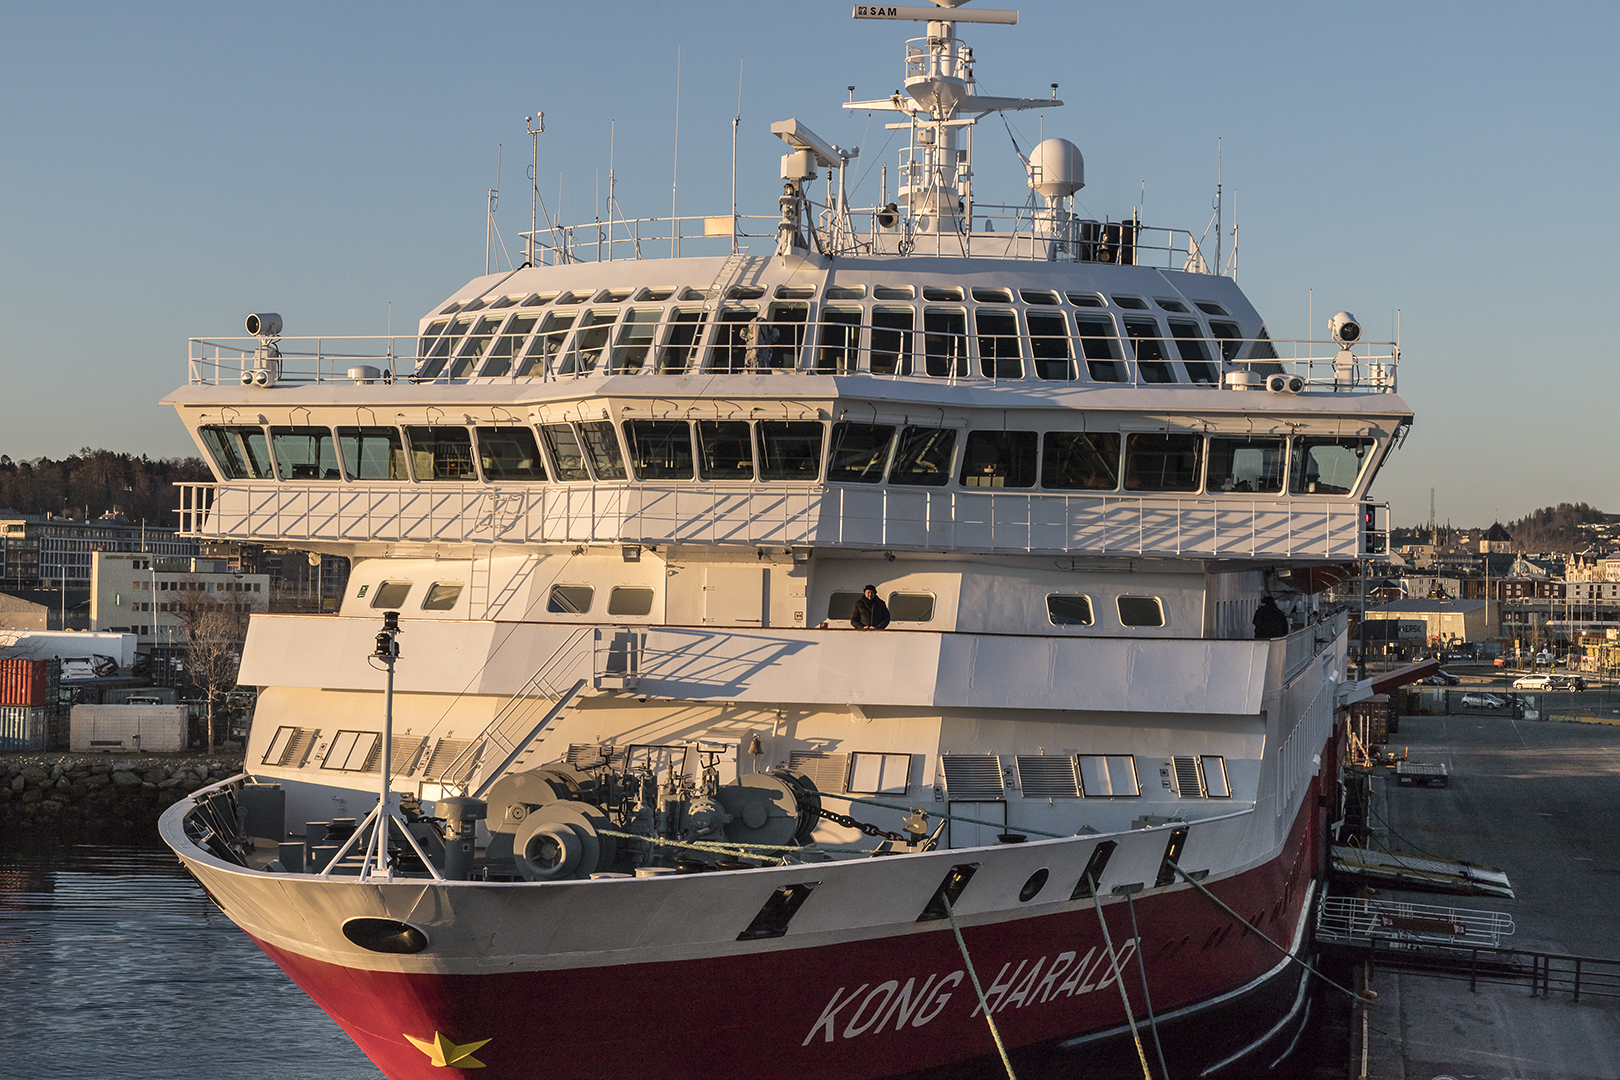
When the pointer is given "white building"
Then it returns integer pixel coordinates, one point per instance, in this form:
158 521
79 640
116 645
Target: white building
140 595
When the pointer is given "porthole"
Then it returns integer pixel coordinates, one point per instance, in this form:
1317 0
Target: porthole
1036 882
1140 611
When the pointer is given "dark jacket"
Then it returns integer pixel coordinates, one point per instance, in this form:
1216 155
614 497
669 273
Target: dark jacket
872 613
1269 620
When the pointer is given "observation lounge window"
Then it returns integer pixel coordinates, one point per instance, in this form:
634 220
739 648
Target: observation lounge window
732 340
1049 345
838 349
790 449
924 457
541 357
472 349
1000 356
509 453
999 459
441 453
305 453
860 453
1069 609
372 453
589 341
602 446
680 342
945 353
1246 465
242 453
507 345
725 450
635 340
1105 360
1194 350
1163 462
1139 610
441 596
892 329
1229 337
1080 460
570 599
438 354
1152 363
660 449
1326 466
566 456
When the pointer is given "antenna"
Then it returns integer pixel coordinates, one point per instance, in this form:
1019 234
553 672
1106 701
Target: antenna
735 124
494 201
530 122
675 174
1218 164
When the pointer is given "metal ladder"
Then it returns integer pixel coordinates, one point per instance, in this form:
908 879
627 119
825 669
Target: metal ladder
724 279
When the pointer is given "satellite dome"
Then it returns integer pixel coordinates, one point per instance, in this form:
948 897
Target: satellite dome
1056 168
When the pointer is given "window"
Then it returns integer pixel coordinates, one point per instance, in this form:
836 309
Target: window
351 751
1140 611
630 600
910 607
1152 363
999 354
1209 308
1229 336
924 457
1171 305
1162 462
436 356
1195 353
1083 460
680 342
1216 785
1048 777
838 350
242 453
1036 296
893 292
509 454
570 599
780 340
660 449
879 774
1108 776
1132 303
945 342
566 456
602 445
841 606
733 339
595 327
371 452
661 293
635 340
942 292
391 595
1324 466
1246 465
1105 360
891 341
999 459
1068 609
1091 300
539 299
790 449
845 292
431 334
441 596
507 345
472 349
726 450
1049 345
541 357
986 295
613 296
860 453
441 453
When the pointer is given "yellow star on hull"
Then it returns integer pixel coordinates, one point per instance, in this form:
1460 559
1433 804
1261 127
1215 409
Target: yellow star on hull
442 1052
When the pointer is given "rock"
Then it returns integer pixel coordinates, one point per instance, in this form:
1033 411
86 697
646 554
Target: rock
57 771
125 779
170 783
35 774
148 788
155 775
18 782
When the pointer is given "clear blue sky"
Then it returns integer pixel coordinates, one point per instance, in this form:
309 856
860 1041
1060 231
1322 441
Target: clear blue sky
165 168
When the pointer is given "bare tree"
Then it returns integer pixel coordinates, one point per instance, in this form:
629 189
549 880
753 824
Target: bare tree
215 629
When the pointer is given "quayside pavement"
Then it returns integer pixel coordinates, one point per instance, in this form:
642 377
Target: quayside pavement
1540 800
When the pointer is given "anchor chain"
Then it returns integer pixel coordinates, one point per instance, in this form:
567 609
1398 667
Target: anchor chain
865 827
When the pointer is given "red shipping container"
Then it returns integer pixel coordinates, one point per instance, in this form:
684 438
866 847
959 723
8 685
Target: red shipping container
23 682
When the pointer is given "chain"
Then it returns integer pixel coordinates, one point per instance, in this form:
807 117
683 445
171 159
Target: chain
850 823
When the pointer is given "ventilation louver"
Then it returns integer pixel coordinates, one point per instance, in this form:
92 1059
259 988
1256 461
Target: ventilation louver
972 776
1044 777
827 771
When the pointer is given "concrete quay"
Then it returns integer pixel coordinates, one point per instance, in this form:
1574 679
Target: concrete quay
1541 801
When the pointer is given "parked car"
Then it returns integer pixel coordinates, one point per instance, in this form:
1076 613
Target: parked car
1568 682
1533 682
1442 678
1482 701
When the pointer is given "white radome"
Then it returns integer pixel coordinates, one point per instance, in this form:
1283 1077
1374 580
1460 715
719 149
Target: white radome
1056 168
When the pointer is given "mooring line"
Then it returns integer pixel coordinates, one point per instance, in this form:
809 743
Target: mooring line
995 1032
1119 980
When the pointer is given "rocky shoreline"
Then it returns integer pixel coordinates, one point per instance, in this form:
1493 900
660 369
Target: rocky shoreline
50 794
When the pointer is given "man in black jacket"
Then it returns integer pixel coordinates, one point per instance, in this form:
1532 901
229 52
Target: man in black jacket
1269 620
870 613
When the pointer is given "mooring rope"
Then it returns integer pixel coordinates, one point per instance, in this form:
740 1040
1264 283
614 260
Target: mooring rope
1119 980
995 1032
945 817
1147 998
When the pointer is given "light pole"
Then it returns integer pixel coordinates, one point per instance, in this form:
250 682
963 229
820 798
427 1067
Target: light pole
387 651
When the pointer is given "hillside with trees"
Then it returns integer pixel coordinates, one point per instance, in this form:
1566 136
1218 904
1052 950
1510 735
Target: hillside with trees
92 483
1556 528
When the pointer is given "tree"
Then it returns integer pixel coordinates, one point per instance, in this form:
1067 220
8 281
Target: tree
214 630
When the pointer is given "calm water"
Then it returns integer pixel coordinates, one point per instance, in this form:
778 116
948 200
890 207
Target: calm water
114 964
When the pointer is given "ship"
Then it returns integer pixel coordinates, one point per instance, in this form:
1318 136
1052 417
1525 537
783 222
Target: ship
820 644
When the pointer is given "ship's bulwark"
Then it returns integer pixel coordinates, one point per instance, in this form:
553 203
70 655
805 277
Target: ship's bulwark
887 1006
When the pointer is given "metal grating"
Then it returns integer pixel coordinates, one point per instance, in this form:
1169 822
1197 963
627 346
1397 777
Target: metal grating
972 776
590 755
1044 777
1189 777
444 754
291 746
827 771
404 750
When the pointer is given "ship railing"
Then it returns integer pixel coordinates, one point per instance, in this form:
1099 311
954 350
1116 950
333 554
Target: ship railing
1352 920
790 515
894 341
1303 646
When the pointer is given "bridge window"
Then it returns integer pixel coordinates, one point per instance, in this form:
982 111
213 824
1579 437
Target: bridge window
680 341
986 295
589 341
1004 459
509 454
732 340
660 449
860 453
845 292
539 299
1000 356
1152 362
1131 303
1163 462
1082 299
924 457
1105 360
1036 296
1229 336
942 292
1262 349
1080 460
1171 305
602 446
893 292
441 453
661 293
541 358
570 599
891 340
305 453
1108 776
434 357
1194 350
372 453
567 459
790 449
726 449
781 339
507 345
1210 308
838 350
441 596
1049 345
1140 611
635 340
1068 609
1324 466
630 600
242 453
472 349
391 595
945 342
1246 465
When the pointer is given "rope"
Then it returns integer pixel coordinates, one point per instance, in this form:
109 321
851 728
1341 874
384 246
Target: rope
995 1033
1119 981
1141 966
1291 955
945 817
725 849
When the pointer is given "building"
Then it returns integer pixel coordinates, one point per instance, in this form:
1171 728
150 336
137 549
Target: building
1496 538
43 552
1447 620
140 595
22 613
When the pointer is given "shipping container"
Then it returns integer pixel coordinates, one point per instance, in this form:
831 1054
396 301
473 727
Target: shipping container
160 728
24 727
24 681
1370 717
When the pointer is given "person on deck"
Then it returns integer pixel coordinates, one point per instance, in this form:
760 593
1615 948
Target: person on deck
1269 620
870 613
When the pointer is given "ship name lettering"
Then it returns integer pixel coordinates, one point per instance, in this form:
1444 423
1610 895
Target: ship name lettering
830 1013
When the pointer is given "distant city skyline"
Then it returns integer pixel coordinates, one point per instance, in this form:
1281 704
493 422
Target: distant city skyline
1439 169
